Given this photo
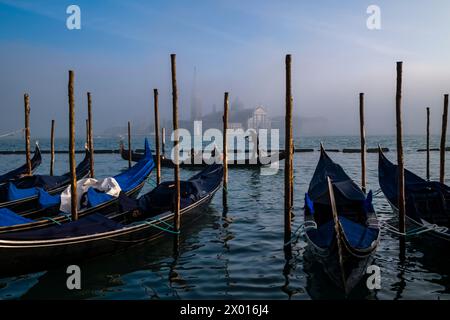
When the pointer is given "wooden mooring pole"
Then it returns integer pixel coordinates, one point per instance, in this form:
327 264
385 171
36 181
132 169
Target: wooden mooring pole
428 144
175 143
90 136
52 148
443 138
291 172
26 100
87 133
289 159
163 141
129 145
362 132
225 149
401 172
73 174
158 156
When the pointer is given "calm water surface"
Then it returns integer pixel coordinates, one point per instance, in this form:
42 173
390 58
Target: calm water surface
241 255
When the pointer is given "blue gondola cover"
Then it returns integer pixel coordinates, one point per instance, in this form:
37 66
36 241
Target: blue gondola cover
358 236
138 173
47 200
345 188
9 218
309 204
96 198
15 193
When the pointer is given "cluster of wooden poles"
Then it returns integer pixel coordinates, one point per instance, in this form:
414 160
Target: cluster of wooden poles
289 145
176 143
89 141
89 135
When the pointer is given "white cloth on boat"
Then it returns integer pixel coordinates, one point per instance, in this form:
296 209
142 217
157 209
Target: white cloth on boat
108 185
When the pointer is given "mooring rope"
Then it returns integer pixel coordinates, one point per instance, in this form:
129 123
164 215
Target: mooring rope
68 216
11 133
301 229
52 220
415 231
150 223
377 192
161 228
151 181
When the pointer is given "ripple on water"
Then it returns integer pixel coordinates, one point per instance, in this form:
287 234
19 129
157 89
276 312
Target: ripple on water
241 256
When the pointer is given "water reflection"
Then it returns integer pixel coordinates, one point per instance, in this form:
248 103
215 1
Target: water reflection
433 258
225 235
104 276
237 252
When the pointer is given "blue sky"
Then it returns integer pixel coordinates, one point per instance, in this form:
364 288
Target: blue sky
122 53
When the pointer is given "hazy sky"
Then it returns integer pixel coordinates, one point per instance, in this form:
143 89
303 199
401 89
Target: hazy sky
122 52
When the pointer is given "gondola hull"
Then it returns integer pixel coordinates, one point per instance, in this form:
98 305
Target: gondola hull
342 226
439 239
240 164
34 256
17 173
28 204
132 180
427 203
355 267
235 164
147 219
105 208
135 156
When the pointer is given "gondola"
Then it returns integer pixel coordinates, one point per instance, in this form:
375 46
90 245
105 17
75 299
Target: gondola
427 202
17 173
139 220
344 250
130 181
135 156
21 195
247 163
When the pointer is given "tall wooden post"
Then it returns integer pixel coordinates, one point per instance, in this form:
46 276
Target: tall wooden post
291 173
52 148
26 100
175 143
158 156
289 159
401 172
225 148
443 138
129 145
428 144
73 174
163 141
87 133
91 135
362 132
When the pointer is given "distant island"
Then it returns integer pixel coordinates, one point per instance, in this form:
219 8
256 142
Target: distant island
239 118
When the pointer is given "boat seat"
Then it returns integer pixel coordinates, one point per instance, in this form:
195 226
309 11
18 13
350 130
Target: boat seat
15 193
96 197
47 200
358 236
10 218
